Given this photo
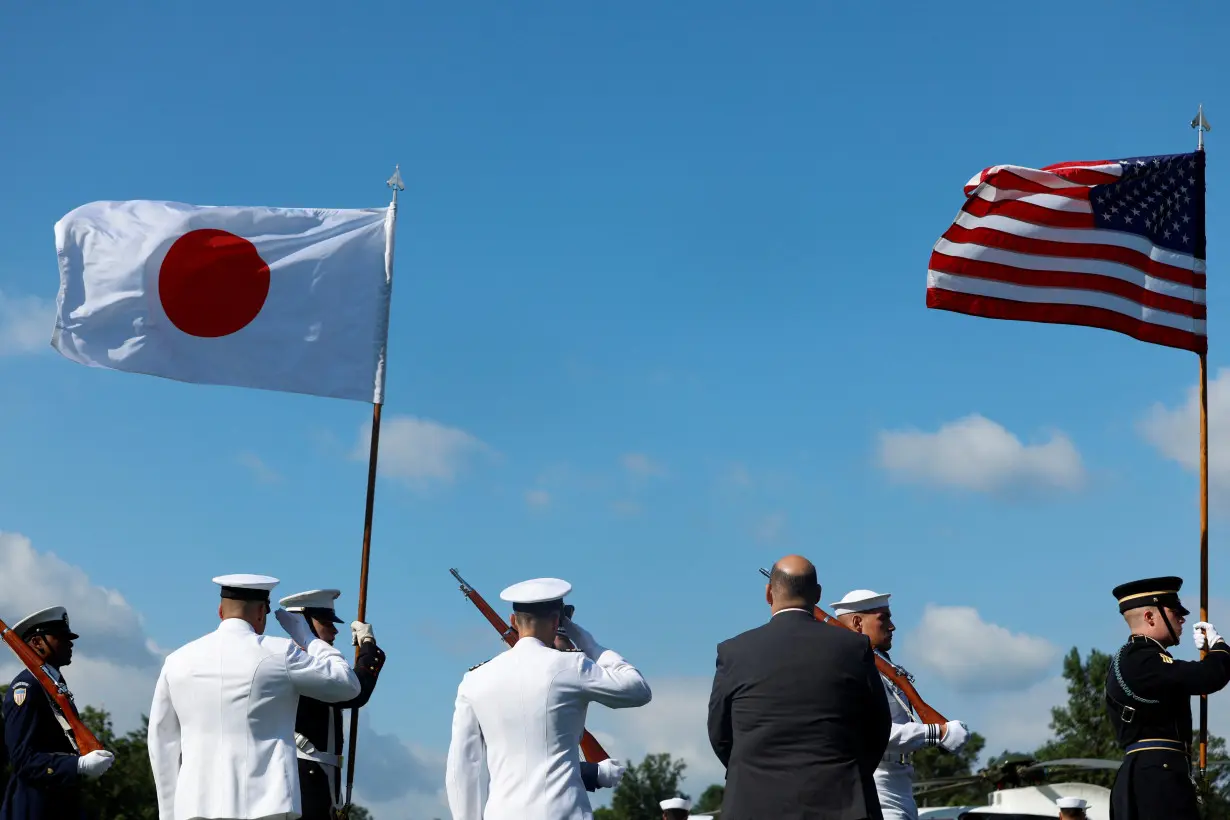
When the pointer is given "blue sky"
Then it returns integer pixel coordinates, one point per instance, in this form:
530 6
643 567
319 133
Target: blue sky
665 267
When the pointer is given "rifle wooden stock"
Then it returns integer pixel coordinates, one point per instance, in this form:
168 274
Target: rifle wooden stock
925 713
86 741
590 747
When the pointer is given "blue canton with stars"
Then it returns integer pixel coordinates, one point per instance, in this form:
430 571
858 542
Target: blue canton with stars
1160 198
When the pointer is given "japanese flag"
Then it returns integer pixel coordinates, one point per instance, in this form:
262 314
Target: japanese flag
291 299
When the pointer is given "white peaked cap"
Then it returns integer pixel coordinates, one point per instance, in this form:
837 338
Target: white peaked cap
536 591
860 600
246 587
676 803
312 599
1070 803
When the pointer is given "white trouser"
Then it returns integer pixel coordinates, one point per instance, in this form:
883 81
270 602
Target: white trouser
895 787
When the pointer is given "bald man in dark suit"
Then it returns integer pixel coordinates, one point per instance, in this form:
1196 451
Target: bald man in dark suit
798 714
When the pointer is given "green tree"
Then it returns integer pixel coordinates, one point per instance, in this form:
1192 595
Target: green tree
934 762
710 799
643 787
126 791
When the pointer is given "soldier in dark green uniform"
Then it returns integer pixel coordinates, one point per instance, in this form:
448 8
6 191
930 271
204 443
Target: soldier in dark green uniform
1148 698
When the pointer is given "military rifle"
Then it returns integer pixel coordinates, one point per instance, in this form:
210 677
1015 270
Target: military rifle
594 753
902 679
86 741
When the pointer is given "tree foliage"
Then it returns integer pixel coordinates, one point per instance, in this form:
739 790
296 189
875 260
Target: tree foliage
643 787
935 762
710 799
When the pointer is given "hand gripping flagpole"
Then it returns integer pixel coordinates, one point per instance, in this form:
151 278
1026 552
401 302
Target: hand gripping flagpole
1201 125
396 184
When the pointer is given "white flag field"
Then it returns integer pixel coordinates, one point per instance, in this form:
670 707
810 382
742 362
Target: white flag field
289 299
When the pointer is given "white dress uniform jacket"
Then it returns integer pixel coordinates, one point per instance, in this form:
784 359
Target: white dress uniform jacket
895 776
517 725
222 724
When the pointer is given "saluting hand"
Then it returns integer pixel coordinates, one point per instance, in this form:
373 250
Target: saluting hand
296 627
95 764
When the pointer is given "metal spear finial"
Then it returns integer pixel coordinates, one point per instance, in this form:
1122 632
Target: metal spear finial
1201 125
395 181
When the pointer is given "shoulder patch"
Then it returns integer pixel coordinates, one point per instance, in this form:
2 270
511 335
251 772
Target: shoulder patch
19 695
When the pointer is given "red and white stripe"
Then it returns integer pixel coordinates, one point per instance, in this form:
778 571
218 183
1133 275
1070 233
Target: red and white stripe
1025 247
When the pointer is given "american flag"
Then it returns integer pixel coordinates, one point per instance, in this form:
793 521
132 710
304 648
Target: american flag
1114 244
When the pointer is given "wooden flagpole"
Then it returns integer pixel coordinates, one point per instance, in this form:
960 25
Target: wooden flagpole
396 184
1201 125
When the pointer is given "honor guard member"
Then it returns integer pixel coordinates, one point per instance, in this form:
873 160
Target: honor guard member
676 808
868 613
1071 808
47 771
1148 699
318 725
518 718
222 724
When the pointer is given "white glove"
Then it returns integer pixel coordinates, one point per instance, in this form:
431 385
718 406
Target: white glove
581 638
95 764
360 632
1205 635
955 737
609 774
296 627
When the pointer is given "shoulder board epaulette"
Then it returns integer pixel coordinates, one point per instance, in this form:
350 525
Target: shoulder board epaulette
475 666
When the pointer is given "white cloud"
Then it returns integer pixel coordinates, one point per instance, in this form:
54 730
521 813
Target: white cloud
1017 721
537 498
1175 431
975 453
957 646
675 721
396 775
419 451
26 323
641 465
115 664
772 528
261 471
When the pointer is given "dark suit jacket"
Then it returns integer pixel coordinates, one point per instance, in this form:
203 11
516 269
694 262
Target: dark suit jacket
799 718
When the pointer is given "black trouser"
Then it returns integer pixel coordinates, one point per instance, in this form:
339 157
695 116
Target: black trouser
314 791
1154 785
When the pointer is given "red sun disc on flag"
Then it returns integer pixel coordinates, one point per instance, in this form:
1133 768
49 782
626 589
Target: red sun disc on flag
212 283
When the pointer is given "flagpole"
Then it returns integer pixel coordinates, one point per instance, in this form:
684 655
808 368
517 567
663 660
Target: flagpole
396 184
1201 125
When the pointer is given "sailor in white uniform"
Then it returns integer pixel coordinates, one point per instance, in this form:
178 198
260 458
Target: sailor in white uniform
1071 808
868 612
518 718
222 724
676 808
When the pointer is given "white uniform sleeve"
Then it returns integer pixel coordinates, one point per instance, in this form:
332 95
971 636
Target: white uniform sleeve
321 672
465 777
613 682
906 737
163 742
